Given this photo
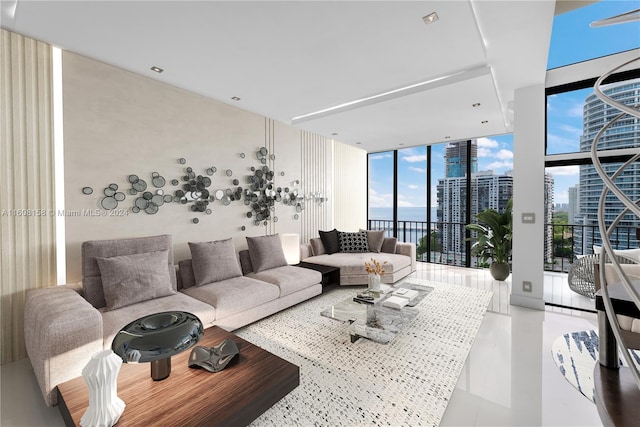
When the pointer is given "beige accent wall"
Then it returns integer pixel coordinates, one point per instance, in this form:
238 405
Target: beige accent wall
118 123
350 187
27 221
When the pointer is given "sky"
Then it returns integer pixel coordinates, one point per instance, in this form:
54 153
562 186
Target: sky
572 41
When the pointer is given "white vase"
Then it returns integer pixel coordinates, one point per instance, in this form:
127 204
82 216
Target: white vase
374 283
101 375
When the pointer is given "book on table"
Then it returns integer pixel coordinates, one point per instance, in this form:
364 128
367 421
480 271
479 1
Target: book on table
400 298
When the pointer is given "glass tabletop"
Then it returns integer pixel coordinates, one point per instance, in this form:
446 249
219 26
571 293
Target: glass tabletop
374 320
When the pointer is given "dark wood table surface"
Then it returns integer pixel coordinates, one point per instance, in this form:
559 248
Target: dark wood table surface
248 386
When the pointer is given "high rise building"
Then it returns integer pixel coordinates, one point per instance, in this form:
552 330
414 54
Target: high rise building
456 159
548 217
623 134
573 203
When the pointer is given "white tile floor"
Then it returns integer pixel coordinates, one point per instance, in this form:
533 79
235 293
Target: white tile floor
509 378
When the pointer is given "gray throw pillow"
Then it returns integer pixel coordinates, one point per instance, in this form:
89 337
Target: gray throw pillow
128 279
317 247
266 252
214 261
389 245
353 242
185 269
375 239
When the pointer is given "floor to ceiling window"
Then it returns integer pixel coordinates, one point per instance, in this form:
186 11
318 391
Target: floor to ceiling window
434 200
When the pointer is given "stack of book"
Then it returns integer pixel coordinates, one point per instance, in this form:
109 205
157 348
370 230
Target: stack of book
400 298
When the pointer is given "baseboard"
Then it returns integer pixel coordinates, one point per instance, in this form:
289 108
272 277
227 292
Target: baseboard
528 302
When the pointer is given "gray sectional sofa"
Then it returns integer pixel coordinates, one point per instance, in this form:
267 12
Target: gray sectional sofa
398 259
65 325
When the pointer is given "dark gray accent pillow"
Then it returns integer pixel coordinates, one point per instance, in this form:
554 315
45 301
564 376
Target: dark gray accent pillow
353 242
375 239
214 261
330 241
128 279
266 252
389 245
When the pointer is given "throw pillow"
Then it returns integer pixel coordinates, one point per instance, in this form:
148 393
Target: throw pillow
353 242
330 241
214 261
375 239
185 269
266 252
389 245
128 279
317 248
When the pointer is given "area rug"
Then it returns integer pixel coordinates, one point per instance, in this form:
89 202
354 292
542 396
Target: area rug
576 354
406 382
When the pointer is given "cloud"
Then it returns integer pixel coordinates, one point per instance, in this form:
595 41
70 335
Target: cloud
484 152
560 141
504 154
571 130
413 186
415 158
380 200
419 170
405 204
564 170
575 110
487 143
380 156
500 165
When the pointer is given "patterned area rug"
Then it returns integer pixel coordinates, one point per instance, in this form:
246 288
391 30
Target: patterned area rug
576 354
406 382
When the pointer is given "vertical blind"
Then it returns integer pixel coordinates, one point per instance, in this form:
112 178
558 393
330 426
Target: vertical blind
27 200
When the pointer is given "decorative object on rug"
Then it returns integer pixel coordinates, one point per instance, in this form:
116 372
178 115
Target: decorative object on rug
213 359
575 355
406 382
494 233
291 247
101 375
374 270
157 337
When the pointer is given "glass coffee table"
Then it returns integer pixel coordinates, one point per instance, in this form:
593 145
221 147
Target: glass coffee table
373 320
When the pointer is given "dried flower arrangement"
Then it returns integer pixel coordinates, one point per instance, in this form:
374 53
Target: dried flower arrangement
375 267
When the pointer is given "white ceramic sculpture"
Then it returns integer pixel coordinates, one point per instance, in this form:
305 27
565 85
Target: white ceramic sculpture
101 375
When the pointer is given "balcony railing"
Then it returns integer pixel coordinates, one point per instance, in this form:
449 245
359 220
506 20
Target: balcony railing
444 242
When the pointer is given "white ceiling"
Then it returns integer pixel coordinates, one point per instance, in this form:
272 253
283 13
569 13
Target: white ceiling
288 59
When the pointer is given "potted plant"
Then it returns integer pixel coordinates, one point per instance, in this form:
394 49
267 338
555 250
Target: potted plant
494 233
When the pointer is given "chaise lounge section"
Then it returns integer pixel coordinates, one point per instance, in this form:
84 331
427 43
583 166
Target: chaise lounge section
398 259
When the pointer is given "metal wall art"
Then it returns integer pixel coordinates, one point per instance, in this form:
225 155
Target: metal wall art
260 194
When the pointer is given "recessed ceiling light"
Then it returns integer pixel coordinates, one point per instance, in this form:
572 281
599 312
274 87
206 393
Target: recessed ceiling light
157 69
447 137
484 122
334 134
477 104
235 98
358 143
401 144
430 18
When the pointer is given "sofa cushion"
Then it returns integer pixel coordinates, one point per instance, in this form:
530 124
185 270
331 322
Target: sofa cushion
266 252
330 241
234 295
389 245
375 239
353 242
317 248
91 278
129 279
289 278
214 261
185 271
115 320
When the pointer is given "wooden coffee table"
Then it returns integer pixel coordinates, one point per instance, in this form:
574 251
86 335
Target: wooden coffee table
235 396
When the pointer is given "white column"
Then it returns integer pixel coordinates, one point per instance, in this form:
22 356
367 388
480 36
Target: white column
528 196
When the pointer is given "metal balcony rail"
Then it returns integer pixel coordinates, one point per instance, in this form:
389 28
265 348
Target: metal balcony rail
444 242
